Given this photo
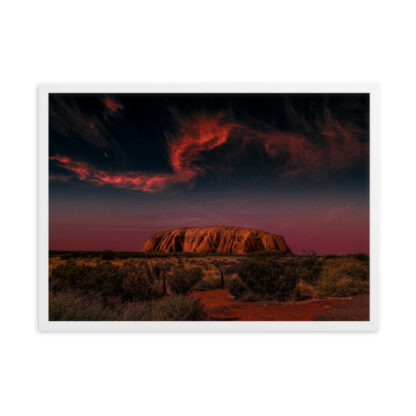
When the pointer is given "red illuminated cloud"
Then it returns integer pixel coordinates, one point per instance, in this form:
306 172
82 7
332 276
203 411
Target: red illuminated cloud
197 135
112 105
131 180
200 134
336 148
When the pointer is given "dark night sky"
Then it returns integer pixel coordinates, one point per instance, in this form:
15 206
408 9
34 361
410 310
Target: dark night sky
123 166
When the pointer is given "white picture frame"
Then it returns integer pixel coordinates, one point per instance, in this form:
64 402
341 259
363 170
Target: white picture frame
219 326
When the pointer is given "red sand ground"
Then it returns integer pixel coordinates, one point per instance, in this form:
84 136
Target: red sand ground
220 305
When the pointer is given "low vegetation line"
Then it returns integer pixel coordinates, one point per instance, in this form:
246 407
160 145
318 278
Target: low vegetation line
108 286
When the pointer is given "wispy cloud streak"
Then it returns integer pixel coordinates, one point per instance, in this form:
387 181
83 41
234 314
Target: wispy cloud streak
335 147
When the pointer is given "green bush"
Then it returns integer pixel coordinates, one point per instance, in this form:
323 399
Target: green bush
182 281
178 308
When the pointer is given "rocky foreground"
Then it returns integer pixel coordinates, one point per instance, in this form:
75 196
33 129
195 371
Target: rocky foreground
215 239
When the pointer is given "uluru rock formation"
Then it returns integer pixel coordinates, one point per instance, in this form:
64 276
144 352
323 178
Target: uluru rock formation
215 239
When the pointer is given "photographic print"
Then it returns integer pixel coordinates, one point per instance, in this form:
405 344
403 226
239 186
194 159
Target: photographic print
207 207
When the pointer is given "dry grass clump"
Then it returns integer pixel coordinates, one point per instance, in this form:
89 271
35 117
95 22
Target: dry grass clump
343 276
300 278
137 290
304 291
71 306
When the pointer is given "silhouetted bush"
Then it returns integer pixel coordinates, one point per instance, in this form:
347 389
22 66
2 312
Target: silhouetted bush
238 288
67 256
231 268
265 253
208 283
107 255
361 256
267 278
182 281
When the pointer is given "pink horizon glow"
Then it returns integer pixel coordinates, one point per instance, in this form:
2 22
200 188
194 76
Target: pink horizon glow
340 228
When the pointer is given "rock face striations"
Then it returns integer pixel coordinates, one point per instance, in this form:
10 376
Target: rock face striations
215 239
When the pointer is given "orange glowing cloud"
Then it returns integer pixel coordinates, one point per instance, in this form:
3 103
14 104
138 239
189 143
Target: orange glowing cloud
200 134
336 148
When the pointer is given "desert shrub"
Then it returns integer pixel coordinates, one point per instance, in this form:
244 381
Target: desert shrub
182 281
265 253
170 308
345 276
107 255
360 256
238 288
268 278
341 287
308 268
303 291
208 283
141 281
72 307
69 275
105 279
66 256
135 311
231 268
178 308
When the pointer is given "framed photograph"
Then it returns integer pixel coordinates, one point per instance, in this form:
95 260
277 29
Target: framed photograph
208 207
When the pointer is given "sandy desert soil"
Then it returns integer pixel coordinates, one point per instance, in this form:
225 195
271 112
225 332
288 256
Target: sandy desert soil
220 305
357 309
